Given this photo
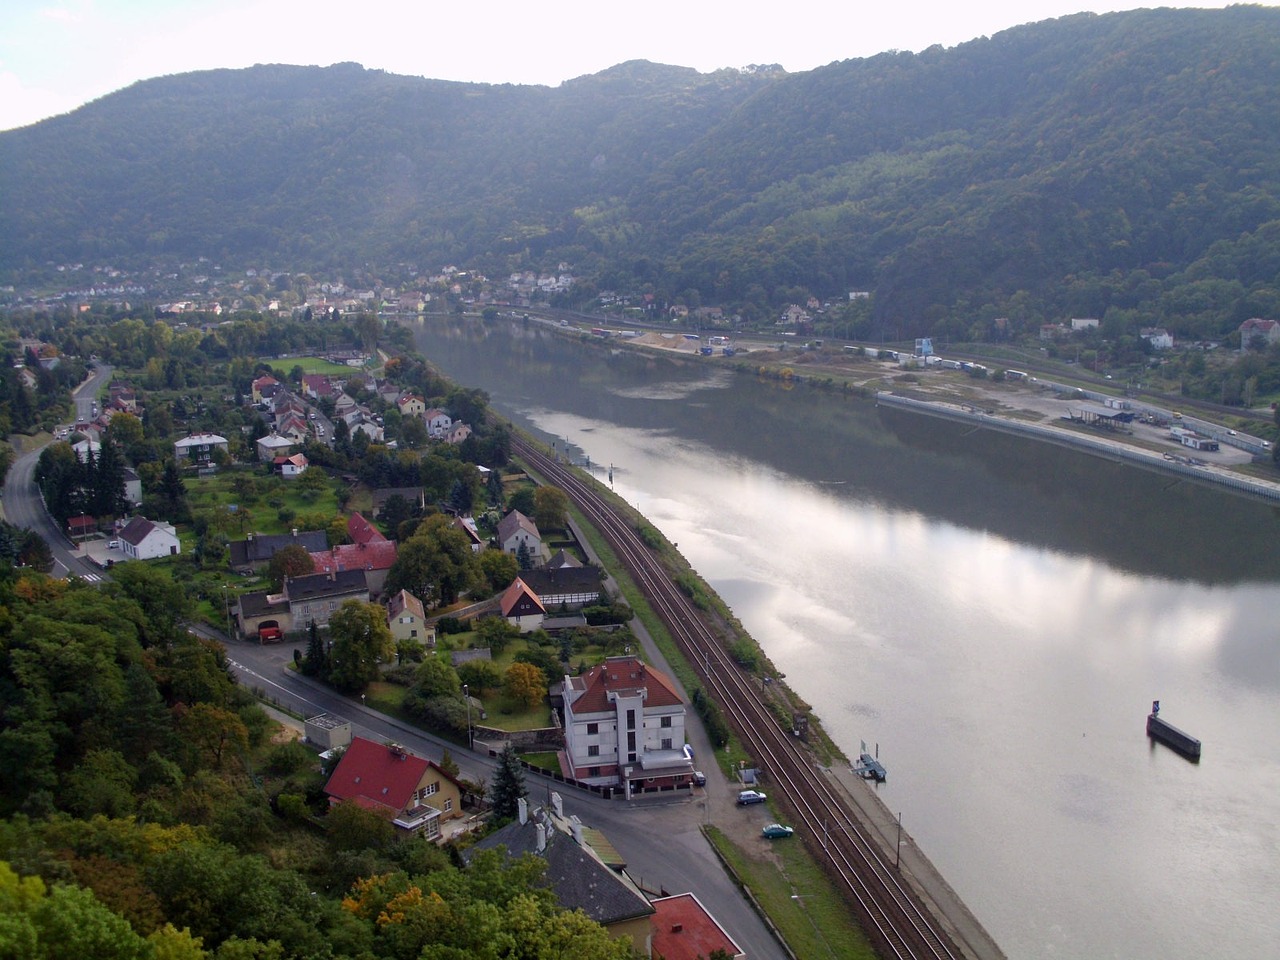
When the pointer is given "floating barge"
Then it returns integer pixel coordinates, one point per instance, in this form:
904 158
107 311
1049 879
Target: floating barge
1171 736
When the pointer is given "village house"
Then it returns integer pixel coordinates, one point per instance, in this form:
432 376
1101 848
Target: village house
438 422
292 466
374 559
515 530
255 551
457 433
274 445
683 929
624 724
407 620
1158 337
198 447
583 869
143 539
413 793
521 607
264 388
305 600
1267 331
411 405
565 586
318 386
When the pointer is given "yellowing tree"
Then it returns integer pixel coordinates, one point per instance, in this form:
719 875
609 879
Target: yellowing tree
525 684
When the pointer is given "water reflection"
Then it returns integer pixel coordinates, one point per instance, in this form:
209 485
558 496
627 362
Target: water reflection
997 614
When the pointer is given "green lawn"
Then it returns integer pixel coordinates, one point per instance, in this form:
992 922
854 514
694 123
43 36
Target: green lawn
261 508
309 365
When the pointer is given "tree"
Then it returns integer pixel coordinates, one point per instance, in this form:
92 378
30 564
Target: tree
315 664
480 675
508 784
436 564
495 633
499 568
214 731
550 508
290 561
361 640
525 684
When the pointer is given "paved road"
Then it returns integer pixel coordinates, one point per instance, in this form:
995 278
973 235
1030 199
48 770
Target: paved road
659 837
24 507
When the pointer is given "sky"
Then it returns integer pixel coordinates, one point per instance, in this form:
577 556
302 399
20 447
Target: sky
56 55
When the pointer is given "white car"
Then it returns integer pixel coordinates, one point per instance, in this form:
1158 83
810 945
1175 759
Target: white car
746 797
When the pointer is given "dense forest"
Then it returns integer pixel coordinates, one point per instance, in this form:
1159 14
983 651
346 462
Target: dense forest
1123 166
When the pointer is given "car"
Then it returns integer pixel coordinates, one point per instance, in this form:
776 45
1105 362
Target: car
747 797
313 416
688 751
699 778
776 831
113 545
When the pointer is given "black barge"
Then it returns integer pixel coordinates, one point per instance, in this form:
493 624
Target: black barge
1171 736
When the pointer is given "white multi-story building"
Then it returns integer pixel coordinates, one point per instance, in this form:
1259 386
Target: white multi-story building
624 724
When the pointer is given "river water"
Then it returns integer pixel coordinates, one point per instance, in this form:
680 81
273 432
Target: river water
995 614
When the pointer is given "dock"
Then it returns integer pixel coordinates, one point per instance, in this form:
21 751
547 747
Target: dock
869 768
1165 732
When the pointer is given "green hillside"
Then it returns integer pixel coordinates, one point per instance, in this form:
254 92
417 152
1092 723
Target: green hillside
1124 163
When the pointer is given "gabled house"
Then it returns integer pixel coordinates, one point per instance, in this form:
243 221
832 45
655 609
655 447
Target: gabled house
521 607
683 929
408 620
143 539
198 447
256 550
583 870
624 724
1158 337
1268 331
361 530
438 423
414 793
374 559
468 527
290 467
457 433
313 598
317 386
264 388
411 405
572 587
516 530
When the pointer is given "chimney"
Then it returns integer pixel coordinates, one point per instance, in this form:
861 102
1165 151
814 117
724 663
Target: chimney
557 804
522 806
542 837
677 927
576 825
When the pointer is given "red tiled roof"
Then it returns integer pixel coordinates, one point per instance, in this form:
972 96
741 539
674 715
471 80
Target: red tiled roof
623 673
361 530
683 930
375 773
379 555
513 595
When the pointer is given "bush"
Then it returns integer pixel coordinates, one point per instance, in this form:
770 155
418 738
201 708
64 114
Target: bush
448 625
605 615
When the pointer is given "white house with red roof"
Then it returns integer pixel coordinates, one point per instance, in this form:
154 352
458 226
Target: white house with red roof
439 423
289 467
624 724
414 793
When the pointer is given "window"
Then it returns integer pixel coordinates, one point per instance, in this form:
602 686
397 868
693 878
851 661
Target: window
631 742
593 728
666 722
448 805
428 790
593 750
413 633
666 743
593 771
631 719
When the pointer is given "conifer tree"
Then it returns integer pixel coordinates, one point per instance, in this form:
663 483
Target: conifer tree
508 784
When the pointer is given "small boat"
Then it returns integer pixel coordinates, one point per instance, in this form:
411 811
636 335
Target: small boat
1164 731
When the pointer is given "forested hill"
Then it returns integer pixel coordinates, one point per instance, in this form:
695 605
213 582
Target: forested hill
1127 161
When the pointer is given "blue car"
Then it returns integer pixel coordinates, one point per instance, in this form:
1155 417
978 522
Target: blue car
776 831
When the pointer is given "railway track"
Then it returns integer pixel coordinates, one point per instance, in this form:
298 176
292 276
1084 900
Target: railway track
895 921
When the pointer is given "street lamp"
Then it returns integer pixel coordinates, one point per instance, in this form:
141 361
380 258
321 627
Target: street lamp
467 697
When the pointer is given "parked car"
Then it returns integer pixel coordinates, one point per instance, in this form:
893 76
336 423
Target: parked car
113 545
699 778
776 831
688 751
746 797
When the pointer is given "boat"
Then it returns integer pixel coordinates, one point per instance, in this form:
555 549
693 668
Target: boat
1178 740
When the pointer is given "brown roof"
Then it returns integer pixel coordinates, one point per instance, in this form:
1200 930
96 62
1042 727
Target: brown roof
404 600
518 600
624 673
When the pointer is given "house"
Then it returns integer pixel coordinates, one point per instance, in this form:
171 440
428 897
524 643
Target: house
572 587
411 405
457 433
256 550
408 620
317 386
87 450
1158 337
468 527
562 558
313 598
268 384
199 447
132 487
414 793
521 607
289 467
1268 331
142 539
361 530
683 929
516 530
583 870
274 445
438 423
1083 323
374 558
624 724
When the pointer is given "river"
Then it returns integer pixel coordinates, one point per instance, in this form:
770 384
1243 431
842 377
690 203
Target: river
996 615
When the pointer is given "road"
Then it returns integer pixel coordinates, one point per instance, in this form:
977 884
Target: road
23 506
660 837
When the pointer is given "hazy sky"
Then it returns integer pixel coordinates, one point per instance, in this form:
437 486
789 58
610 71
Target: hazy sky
58 54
